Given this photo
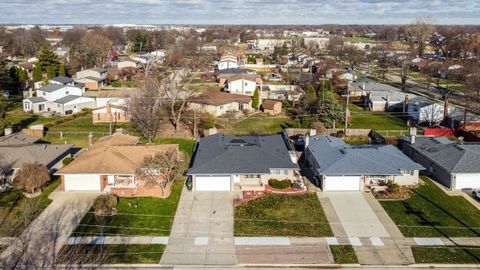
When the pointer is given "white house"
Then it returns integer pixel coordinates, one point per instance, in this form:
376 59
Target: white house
227 61
126 64
219 103
422 110
72 104
243 84
93 78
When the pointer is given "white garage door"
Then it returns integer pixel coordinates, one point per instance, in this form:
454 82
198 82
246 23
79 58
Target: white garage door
212 183
467 181
82 182
337 183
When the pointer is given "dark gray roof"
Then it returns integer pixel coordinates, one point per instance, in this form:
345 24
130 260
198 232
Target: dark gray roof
224 154
62 80
17 139
51 87
454 157
36 99
41 153
66 99
335 157
421 102
236 71
368 85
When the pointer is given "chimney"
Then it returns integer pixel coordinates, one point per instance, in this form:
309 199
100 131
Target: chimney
307 141
7 131
90 139
405 105
413 135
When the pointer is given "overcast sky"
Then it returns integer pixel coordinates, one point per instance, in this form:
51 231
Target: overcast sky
238 11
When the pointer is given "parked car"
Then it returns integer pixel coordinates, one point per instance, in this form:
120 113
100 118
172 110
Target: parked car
476 193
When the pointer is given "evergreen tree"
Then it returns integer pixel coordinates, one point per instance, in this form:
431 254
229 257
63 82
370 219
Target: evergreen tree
61 71
256 99
328 109
310 97
140 42
47 58
3 111
37 74
51 72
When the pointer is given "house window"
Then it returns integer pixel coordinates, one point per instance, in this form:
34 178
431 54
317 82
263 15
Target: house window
246 84
249 176
44 94
27 106
405 172
152 171
66 92
221 107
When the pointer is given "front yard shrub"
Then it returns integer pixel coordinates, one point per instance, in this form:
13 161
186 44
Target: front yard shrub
280 184
104 205
31 177
67 160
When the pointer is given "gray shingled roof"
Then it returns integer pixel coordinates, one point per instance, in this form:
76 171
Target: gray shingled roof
51 87
224 154
66 99
62 80
335 157
17 138
36 99
41 153
452 156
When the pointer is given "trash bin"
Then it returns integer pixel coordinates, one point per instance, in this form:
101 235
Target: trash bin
189 183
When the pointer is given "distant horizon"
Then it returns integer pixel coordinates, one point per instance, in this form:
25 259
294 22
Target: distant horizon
241 12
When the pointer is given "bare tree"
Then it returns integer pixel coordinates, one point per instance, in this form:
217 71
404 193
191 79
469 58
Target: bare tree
146 110
94 49
161 169
31 177
176 95
419 33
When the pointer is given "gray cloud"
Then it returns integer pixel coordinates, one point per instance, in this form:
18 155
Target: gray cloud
239 12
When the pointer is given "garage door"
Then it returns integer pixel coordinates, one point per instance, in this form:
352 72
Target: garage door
467 181
337 183
212 183
82 182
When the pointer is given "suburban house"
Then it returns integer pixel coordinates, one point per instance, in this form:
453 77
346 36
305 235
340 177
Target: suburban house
225 74
422 110
282 92
58 98
241 163
243 84
67 82
362 87
455 165
18 148
383 101
227 61
111 165
94 78
111 112
127 64
272 107
118 97
339 166
219 103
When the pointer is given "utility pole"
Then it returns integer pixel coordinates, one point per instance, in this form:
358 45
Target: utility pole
346 113
195 124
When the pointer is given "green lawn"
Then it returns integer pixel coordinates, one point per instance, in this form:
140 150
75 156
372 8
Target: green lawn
259 124
19 119
448 255
429 212
282 215
17 211
110 254
358 39
374 120
152 216
344 254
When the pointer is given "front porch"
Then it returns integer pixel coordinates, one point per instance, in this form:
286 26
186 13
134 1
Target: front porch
120 185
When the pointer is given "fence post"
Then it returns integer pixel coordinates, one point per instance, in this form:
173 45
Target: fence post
61 134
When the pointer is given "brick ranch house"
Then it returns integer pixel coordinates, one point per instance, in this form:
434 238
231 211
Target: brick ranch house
111 165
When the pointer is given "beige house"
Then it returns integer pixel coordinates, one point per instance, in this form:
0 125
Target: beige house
219 103
110 113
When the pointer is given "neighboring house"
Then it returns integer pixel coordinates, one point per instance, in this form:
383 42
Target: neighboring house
455 165
67 82
18 148
227 61
225 74
219 103
94 78
343 167
383 101
282 92
126 64
272 107
362 87
422 110
116 97
111 165
110 113
243 84
60 98
243 163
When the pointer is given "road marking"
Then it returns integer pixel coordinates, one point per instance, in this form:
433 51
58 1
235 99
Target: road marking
160 240
354 241
332 241
423 241
376 241
201 241
262 241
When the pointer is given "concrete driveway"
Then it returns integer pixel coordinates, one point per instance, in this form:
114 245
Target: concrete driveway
39 244
356 216
202 231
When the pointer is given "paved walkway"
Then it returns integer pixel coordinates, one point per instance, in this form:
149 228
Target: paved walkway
202 231
38 245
